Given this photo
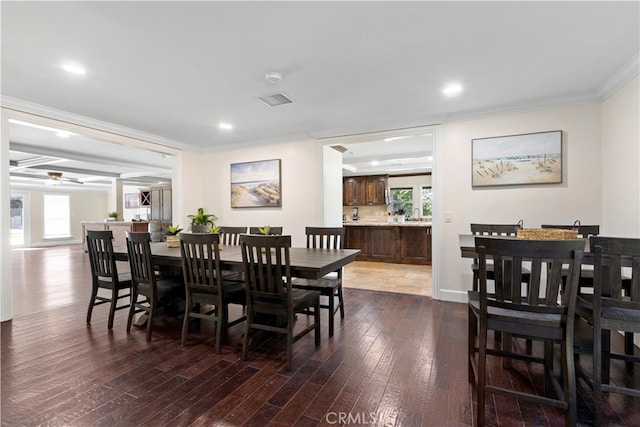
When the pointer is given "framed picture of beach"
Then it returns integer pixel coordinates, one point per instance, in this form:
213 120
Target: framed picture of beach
131 200
256 184
532 158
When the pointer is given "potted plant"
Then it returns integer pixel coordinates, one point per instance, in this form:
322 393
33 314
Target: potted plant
201 222
173 241
112 216
214 229
266 230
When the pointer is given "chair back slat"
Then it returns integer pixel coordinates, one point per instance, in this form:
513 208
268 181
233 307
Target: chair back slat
508 255
200 255
272 231
142 271
325 237
584 231
267 267
495 229
614 257
100 249
231 235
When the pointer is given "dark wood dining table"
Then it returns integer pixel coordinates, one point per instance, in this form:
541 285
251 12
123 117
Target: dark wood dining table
308 263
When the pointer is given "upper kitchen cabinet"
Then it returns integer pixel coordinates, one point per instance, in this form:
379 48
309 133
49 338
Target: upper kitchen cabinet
354 191
364 190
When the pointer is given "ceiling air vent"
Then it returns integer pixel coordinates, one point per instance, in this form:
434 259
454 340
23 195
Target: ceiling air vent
275 99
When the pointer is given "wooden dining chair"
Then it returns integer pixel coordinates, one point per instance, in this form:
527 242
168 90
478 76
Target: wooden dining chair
231 235
495 230
104 274
329 286
153 289
273 230
208 295
612 307
584 232
271 300
545 318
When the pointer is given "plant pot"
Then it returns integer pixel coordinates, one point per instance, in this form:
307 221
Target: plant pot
199 228
173 241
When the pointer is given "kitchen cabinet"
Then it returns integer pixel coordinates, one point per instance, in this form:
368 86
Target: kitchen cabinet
390 243
160 212
354 191
364 190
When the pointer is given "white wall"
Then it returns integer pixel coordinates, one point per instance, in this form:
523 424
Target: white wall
332 187
302 192
130 213
578 197
621 161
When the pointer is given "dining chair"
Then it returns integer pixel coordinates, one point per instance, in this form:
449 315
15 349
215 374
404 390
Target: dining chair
271 300
146 283
104 274
330 285
612 307
231 235
584 232
495 230
273 230
545 318
208 295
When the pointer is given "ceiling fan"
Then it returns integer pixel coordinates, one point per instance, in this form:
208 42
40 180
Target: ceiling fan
55 178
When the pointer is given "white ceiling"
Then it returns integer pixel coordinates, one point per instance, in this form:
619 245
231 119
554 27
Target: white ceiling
174 70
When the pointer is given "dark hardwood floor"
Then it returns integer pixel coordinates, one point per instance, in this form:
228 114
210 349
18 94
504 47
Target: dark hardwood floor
395 360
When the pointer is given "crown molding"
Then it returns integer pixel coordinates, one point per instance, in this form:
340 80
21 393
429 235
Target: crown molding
87 122
628 71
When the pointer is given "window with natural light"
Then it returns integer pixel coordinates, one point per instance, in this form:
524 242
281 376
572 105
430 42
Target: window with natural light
57 216
426 201
402 200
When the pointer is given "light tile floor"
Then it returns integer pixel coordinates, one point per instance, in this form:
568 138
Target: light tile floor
382 276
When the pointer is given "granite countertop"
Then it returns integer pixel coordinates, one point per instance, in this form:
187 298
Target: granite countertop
387 224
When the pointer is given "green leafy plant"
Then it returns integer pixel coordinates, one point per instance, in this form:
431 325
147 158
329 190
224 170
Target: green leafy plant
113 215
202 218
214 229
266 230
173 231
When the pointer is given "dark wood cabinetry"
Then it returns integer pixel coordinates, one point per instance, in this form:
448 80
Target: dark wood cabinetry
364 190
354 191
396 244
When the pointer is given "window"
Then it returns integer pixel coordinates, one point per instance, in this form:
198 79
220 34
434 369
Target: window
426 201
402 200
57 216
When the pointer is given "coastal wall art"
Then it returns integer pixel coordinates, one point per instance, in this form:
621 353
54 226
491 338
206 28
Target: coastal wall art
532 158
131 200
256 184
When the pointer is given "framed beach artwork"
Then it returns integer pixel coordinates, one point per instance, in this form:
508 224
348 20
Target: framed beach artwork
532 158
256 184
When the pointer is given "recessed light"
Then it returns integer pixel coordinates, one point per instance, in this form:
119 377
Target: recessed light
63 134
452 89
74 69
375 163
225 126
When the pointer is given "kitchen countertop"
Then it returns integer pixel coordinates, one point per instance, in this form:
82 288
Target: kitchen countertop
387 224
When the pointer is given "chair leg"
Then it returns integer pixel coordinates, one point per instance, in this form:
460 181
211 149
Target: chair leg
152 310
94 294
482 370
245 341
569 380
548 368
471 344
317 320
219 317
332 312
597 375
341 301
290 340
185 321
132 308
112 309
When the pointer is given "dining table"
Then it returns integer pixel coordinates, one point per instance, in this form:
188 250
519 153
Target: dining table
307 263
